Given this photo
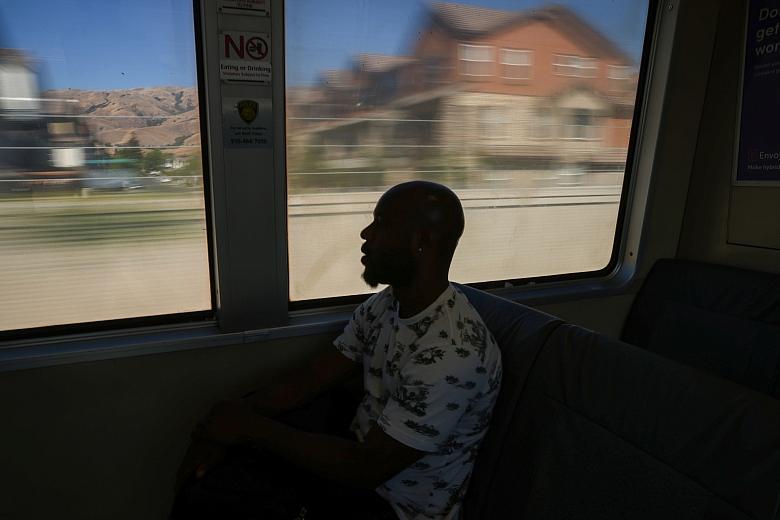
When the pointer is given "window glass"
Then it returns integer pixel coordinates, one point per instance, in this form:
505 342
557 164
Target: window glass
384 92
19 89
580 125
101 183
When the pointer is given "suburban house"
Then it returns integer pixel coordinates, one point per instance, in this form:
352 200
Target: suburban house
533 90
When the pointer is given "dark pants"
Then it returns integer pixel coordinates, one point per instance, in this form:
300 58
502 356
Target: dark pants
251 484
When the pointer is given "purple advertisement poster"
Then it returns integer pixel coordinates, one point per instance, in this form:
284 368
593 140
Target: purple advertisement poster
758 152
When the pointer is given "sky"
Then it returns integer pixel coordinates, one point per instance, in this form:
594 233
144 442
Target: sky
327 38
104 44
113 44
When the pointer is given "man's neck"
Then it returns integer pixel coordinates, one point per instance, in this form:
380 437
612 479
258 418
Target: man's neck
416 297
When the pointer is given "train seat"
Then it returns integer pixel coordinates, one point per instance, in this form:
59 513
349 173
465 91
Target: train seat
722 319
520 333
607 430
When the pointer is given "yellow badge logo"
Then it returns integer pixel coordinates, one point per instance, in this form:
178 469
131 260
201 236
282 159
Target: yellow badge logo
247 110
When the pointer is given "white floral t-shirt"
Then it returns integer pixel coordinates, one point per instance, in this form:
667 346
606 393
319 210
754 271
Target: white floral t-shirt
431 382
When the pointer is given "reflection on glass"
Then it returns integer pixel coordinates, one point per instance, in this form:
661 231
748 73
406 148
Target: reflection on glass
100 173
525 113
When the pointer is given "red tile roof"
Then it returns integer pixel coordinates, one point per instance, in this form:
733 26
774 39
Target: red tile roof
470 20
338 78
16 56
381 62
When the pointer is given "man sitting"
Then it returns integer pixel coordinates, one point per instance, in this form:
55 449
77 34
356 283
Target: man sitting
431 373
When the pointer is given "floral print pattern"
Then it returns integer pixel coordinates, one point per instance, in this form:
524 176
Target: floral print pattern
430 382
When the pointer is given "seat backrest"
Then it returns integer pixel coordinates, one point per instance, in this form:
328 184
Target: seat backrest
520 333
721 319
607 430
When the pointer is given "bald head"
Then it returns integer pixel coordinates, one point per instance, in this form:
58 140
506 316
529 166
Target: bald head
413 236
429 207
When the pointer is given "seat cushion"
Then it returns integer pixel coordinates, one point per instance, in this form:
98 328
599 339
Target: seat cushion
607 430
721 319
520 332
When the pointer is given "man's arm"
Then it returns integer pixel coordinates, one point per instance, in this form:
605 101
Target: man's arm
296 389
300 386
364 465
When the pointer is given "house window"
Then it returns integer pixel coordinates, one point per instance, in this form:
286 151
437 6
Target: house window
476 60
516 64
620 72
581 126
18 89
436 71
575 66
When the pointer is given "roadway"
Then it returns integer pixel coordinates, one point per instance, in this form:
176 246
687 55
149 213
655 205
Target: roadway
72 259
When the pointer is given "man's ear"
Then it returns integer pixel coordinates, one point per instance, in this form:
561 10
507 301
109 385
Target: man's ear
422 239
415 242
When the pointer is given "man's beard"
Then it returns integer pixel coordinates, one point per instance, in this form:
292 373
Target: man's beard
389 268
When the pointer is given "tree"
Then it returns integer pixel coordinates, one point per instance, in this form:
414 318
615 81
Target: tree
131 151
154 160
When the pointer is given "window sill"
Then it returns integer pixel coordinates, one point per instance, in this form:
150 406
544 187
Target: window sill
39 353
516 81
44 352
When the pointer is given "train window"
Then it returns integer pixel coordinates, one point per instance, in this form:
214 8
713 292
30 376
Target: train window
539 164
101 178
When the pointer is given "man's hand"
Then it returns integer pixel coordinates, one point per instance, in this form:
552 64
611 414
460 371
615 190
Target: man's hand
298 388
201 456
228 422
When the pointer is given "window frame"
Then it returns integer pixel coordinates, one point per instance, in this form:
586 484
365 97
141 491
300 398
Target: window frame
621 268
287 320
203 316
626 237
507 66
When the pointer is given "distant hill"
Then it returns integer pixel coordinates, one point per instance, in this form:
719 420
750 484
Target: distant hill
157 115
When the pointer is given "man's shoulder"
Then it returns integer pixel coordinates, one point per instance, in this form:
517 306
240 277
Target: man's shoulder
461 302
374 305
472 333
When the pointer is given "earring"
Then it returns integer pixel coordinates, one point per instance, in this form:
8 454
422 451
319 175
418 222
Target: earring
419 249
